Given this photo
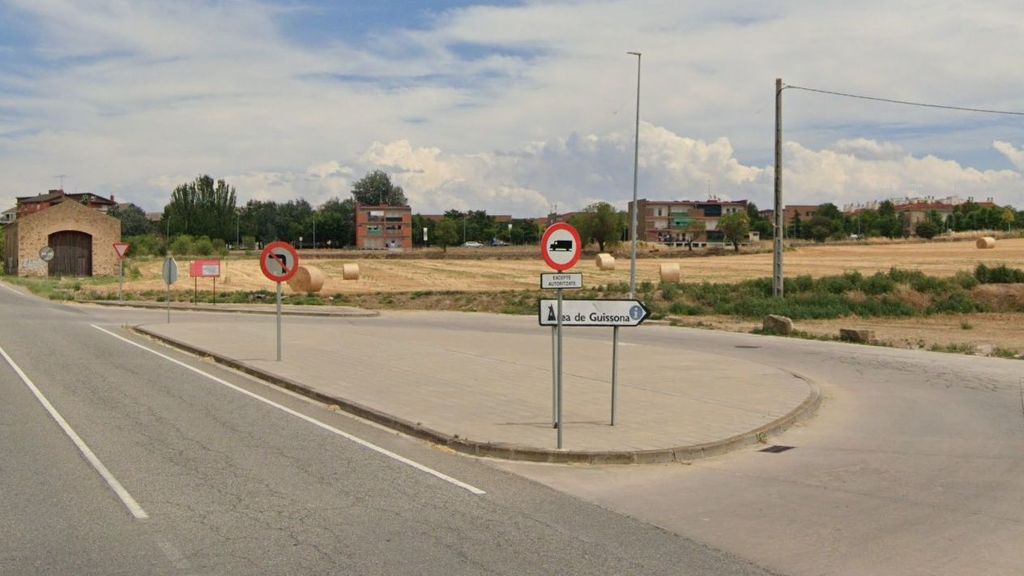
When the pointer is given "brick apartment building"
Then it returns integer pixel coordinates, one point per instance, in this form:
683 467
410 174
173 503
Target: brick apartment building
383 227
675 222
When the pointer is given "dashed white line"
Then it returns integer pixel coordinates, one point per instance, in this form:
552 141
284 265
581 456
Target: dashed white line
116 486
468 487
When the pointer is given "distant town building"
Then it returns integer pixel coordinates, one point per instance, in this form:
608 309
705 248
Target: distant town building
383 227
680 222
32 204
8 216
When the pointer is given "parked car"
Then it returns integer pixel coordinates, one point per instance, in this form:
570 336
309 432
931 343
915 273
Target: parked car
472 244
496 242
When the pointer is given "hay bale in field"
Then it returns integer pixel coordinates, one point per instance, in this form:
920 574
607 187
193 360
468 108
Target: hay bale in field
986 242
605 261
308 279
669 272
350 271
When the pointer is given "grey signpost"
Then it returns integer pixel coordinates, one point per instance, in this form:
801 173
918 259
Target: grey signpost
121 249
170 273
613 313
561 248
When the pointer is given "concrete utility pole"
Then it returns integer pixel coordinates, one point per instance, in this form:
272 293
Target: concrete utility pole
777 276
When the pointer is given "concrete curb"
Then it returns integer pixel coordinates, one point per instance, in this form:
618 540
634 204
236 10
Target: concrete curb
804 411
340 312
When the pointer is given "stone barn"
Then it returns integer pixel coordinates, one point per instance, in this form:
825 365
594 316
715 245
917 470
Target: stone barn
81 237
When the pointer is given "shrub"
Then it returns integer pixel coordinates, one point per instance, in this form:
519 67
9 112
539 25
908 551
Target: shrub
965 280
669 291
1001 274
145 245
958 302
220 248
878 283
182 245
799 284
202 246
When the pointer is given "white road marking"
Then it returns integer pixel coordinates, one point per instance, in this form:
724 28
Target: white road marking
12 289
314 421
116 486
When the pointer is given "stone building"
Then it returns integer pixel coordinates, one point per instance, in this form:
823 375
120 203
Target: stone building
80 236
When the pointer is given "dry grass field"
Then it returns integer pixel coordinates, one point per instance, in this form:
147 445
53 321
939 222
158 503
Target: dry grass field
485 271
501 269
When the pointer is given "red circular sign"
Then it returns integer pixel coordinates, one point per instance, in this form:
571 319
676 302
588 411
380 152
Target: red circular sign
279 261
561 246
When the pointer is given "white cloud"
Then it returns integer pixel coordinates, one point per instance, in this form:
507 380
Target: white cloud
1013 154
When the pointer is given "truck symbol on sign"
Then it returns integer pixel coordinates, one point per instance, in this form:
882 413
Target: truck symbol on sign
561 245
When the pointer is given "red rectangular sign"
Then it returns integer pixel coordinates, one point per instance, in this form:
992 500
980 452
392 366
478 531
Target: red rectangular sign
204 269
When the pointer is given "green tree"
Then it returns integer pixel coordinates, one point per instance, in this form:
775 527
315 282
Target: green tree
890 223
446 233
600 222
3 255
1007 217
926 229
694 230
336 221
202 208
736 228
525 231
376 189
818 228
133 219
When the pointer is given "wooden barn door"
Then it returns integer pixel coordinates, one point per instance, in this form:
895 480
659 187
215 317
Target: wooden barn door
72 254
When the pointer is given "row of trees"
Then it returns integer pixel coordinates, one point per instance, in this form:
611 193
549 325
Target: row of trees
208 208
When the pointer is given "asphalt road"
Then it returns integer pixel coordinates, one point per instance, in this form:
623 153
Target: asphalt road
217 481
913 465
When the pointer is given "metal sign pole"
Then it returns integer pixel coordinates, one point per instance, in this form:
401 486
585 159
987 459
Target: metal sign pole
615 370
168 302
120 282
554 380
278 321
558 328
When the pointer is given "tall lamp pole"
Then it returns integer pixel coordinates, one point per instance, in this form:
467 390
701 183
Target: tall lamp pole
778 278
636 158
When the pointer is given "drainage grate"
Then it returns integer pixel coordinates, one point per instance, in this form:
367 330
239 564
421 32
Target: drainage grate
746 347
775 449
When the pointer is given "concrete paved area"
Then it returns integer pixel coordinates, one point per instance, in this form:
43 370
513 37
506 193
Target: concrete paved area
484 382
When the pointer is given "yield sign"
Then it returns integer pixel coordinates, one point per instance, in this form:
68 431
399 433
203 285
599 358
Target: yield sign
121 248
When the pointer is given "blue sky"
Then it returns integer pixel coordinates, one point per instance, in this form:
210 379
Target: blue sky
511 107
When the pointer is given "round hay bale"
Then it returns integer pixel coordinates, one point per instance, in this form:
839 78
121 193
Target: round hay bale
605 262
350 271
669 272
308 279
986 242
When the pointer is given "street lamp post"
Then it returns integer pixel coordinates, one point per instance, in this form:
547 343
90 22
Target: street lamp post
636 158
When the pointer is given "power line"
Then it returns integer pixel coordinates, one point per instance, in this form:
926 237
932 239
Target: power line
904 102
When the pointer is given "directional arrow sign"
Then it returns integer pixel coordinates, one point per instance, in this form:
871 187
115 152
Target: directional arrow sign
593 312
